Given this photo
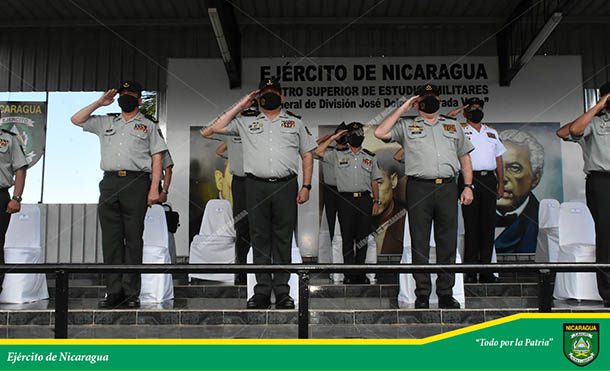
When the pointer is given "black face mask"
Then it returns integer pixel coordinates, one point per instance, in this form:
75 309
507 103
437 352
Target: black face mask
342 140
270 101
475 115
128 102
429 104
356 140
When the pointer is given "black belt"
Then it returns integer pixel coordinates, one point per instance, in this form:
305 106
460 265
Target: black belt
124 173
435 180
355 194
271 180
599 173
483 172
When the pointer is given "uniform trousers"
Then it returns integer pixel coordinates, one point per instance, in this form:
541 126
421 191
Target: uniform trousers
122 209
598 201
272 216
427 202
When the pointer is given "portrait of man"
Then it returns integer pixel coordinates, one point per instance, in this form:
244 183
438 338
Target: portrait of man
518 208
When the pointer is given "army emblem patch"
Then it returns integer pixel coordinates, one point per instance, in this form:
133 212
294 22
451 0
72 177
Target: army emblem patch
140 127
287 124
3 142
449 128
491 135
581 342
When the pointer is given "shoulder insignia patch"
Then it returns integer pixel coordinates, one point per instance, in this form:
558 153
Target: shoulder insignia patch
368 152
152 118
250 113
4 142
140 127
293 114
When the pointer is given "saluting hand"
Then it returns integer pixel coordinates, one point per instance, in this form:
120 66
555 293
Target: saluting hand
467 196
303 196
457 110
603 101
107 98
338 134
406 106
247 101
13 207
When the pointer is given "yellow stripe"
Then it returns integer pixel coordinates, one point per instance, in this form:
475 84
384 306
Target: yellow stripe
427 340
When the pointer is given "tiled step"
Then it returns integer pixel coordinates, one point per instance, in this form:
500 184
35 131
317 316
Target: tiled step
339 311
316 290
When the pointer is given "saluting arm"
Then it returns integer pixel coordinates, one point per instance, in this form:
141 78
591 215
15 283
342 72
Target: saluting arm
80 117
220 125
384 130
564 131
577 127
321 149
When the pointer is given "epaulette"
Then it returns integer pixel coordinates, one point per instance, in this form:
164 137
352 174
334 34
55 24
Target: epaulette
294 115
368 152
250 113
113 114
464 124
152 118
8 132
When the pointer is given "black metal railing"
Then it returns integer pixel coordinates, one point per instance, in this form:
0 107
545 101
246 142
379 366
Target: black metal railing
61 271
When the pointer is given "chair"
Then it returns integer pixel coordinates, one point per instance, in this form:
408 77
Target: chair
23 245
215 243
293 282
406 294
576 244
548 231
157 287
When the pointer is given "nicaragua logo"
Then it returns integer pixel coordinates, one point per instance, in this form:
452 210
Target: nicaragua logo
581 342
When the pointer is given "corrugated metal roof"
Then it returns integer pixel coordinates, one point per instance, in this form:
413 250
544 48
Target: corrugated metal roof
92 45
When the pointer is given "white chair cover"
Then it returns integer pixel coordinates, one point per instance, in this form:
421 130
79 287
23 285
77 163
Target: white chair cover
215 243
548 231
293 282
157 287
23 245
406 294
324 245
576 244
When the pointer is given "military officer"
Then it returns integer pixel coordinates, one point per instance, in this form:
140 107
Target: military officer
233 146
435 150
487 169
272 142
132 150
357 174
592 131
331 194
13 167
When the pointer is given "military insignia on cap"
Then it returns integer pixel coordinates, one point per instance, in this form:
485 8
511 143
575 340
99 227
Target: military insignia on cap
269 82
126 85
428 87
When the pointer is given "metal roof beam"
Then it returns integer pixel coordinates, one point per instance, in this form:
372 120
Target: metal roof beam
225 27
